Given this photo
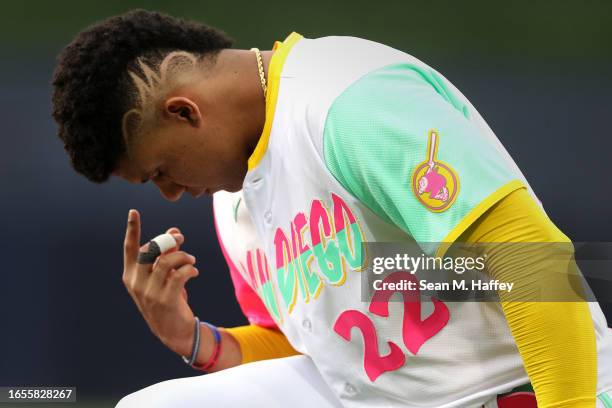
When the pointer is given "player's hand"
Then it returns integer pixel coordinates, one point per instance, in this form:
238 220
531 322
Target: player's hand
159 289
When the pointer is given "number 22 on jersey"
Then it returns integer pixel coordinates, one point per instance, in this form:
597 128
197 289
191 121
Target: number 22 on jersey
415 331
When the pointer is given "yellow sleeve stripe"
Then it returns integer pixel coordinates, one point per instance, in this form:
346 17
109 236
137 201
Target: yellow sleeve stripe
476 212
259 343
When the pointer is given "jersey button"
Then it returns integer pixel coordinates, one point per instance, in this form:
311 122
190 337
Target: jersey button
350 389
268 217
307 325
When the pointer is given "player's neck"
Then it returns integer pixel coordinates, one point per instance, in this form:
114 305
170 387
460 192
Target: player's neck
245 101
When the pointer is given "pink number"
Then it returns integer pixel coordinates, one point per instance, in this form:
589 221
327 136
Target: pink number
373 362
415 332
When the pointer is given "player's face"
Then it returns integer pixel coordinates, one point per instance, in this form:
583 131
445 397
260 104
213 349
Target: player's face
201 140
181 158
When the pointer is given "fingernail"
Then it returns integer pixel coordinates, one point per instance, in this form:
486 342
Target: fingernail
192 258
130 215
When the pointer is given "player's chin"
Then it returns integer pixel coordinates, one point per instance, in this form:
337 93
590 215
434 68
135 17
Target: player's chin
230 189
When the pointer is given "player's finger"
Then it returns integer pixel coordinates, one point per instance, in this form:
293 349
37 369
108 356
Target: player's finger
178 237
165 264
177 280
131 243
173 230
145 263
157 246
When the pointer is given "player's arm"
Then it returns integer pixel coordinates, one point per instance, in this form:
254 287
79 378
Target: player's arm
556 340
375 136
241 345
158 290
260 343
247 343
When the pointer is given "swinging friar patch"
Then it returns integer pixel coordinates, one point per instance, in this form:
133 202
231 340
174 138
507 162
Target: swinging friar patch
434 183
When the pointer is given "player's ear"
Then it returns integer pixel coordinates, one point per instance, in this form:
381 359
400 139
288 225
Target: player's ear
182 109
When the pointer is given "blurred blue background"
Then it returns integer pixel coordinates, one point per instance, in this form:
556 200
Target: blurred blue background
538 71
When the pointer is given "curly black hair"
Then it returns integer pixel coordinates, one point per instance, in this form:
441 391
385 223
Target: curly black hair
92 87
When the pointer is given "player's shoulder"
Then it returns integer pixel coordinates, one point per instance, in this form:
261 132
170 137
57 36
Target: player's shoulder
339 59
319 70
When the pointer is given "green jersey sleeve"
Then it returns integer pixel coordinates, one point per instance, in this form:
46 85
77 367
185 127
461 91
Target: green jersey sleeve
402 142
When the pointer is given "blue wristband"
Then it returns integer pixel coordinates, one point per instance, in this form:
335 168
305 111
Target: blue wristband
215 331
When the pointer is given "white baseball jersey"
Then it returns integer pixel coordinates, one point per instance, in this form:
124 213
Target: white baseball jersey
363 142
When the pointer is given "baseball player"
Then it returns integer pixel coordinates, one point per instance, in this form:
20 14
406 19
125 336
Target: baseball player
334 142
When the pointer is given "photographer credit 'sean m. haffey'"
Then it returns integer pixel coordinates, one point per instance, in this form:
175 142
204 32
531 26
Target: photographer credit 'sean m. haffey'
453 285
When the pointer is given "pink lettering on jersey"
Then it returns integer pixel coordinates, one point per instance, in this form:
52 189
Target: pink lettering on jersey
374 364
259 279
415 332
285 270
348 233
312 281
321 247
324 244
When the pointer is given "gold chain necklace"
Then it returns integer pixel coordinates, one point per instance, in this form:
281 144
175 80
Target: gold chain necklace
262 77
